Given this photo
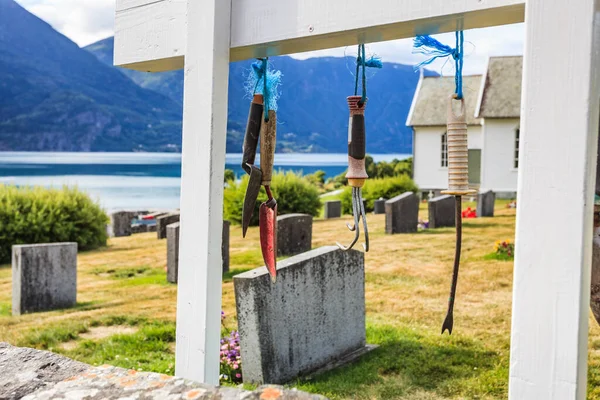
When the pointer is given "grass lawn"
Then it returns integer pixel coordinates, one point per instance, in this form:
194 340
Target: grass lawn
126 312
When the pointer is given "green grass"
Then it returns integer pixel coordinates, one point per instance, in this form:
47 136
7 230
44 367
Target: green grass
50 337
499 257
149 349
408 362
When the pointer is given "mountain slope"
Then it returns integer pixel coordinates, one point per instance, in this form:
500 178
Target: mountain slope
313 114
56 96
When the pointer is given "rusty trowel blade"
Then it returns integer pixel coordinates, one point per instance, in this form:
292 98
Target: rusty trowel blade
250 198
268 238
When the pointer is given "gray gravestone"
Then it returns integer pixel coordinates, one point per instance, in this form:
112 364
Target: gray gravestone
139 228
162 222
173 250
314 315
44 277
442 211
485 204
333 209
120 224
294 234
225 246
379 206
402 214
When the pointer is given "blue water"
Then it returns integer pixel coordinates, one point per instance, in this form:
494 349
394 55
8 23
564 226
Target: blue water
139 180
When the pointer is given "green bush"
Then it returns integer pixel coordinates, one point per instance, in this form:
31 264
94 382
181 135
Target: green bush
294 194
381 169
229 175
38 215
376 188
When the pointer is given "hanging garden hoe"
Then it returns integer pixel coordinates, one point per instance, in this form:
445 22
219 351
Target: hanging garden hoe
262 122
458 153
357 174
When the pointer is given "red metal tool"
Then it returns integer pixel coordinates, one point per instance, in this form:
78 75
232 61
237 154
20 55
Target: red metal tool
268 209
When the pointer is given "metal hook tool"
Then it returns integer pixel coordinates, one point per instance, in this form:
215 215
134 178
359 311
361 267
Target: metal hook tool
357 174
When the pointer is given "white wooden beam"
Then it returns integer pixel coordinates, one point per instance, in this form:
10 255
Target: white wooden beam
555 205
203 166
150 34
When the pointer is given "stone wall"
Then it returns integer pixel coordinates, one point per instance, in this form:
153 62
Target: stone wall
30 374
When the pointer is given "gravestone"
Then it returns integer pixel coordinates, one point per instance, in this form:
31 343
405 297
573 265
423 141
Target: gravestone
294 234
379 206
162 222
173 250
485 204
402 214
44 277
333 209
225 246
442 211
313 316
120 224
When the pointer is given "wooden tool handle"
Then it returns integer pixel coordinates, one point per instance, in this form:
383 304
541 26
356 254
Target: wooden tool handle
268 136
458 150
356 143
255 117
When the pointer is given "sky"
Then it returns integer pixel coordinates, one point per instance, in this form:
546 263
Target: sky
87 21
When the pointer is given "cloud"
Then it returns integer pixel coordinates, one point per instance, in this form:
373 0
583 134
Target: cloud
480 44
83 21
87 21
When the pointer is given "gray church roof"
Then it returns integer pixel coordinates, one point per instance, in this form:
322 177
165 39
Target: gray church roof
501 92
431 99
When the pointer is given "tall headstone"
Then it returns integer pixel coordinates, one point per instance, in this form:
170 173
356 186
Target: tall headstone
333 209
485 203
162 222
442 211
172 252
120 224
294 234
313 316
225 246
44 277
402 214
379 206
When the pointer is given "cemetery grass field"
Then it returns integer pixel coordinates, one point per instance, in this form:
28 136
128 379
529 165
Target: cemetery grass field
126 311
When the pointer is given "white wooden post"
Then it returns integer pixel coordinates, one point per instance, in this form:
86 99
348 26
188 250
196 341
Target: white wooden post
557 164
203 165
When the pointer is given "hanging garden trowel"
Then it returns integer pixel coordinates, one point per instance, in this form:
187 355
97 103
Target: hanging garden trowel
268 209
255 118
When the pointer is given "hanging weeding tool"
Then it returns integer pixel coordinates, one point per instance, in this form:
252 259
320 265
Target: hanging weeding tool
253 126
458 153
357 174
262 121
268 209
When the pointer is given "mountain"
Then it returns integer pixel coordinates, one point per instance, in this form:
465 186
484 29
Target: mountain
312 114
55 96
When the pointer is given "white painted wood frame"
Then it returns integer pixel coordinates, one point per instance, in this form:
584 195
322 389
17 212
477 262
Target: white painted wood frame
557 167
202 176
556 179
150 35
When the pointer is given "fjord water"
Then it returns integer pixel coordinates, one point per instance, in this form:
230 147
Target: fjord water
139 180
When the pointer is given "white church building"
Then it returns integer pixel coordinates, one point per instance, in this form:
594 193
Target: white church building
492 104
